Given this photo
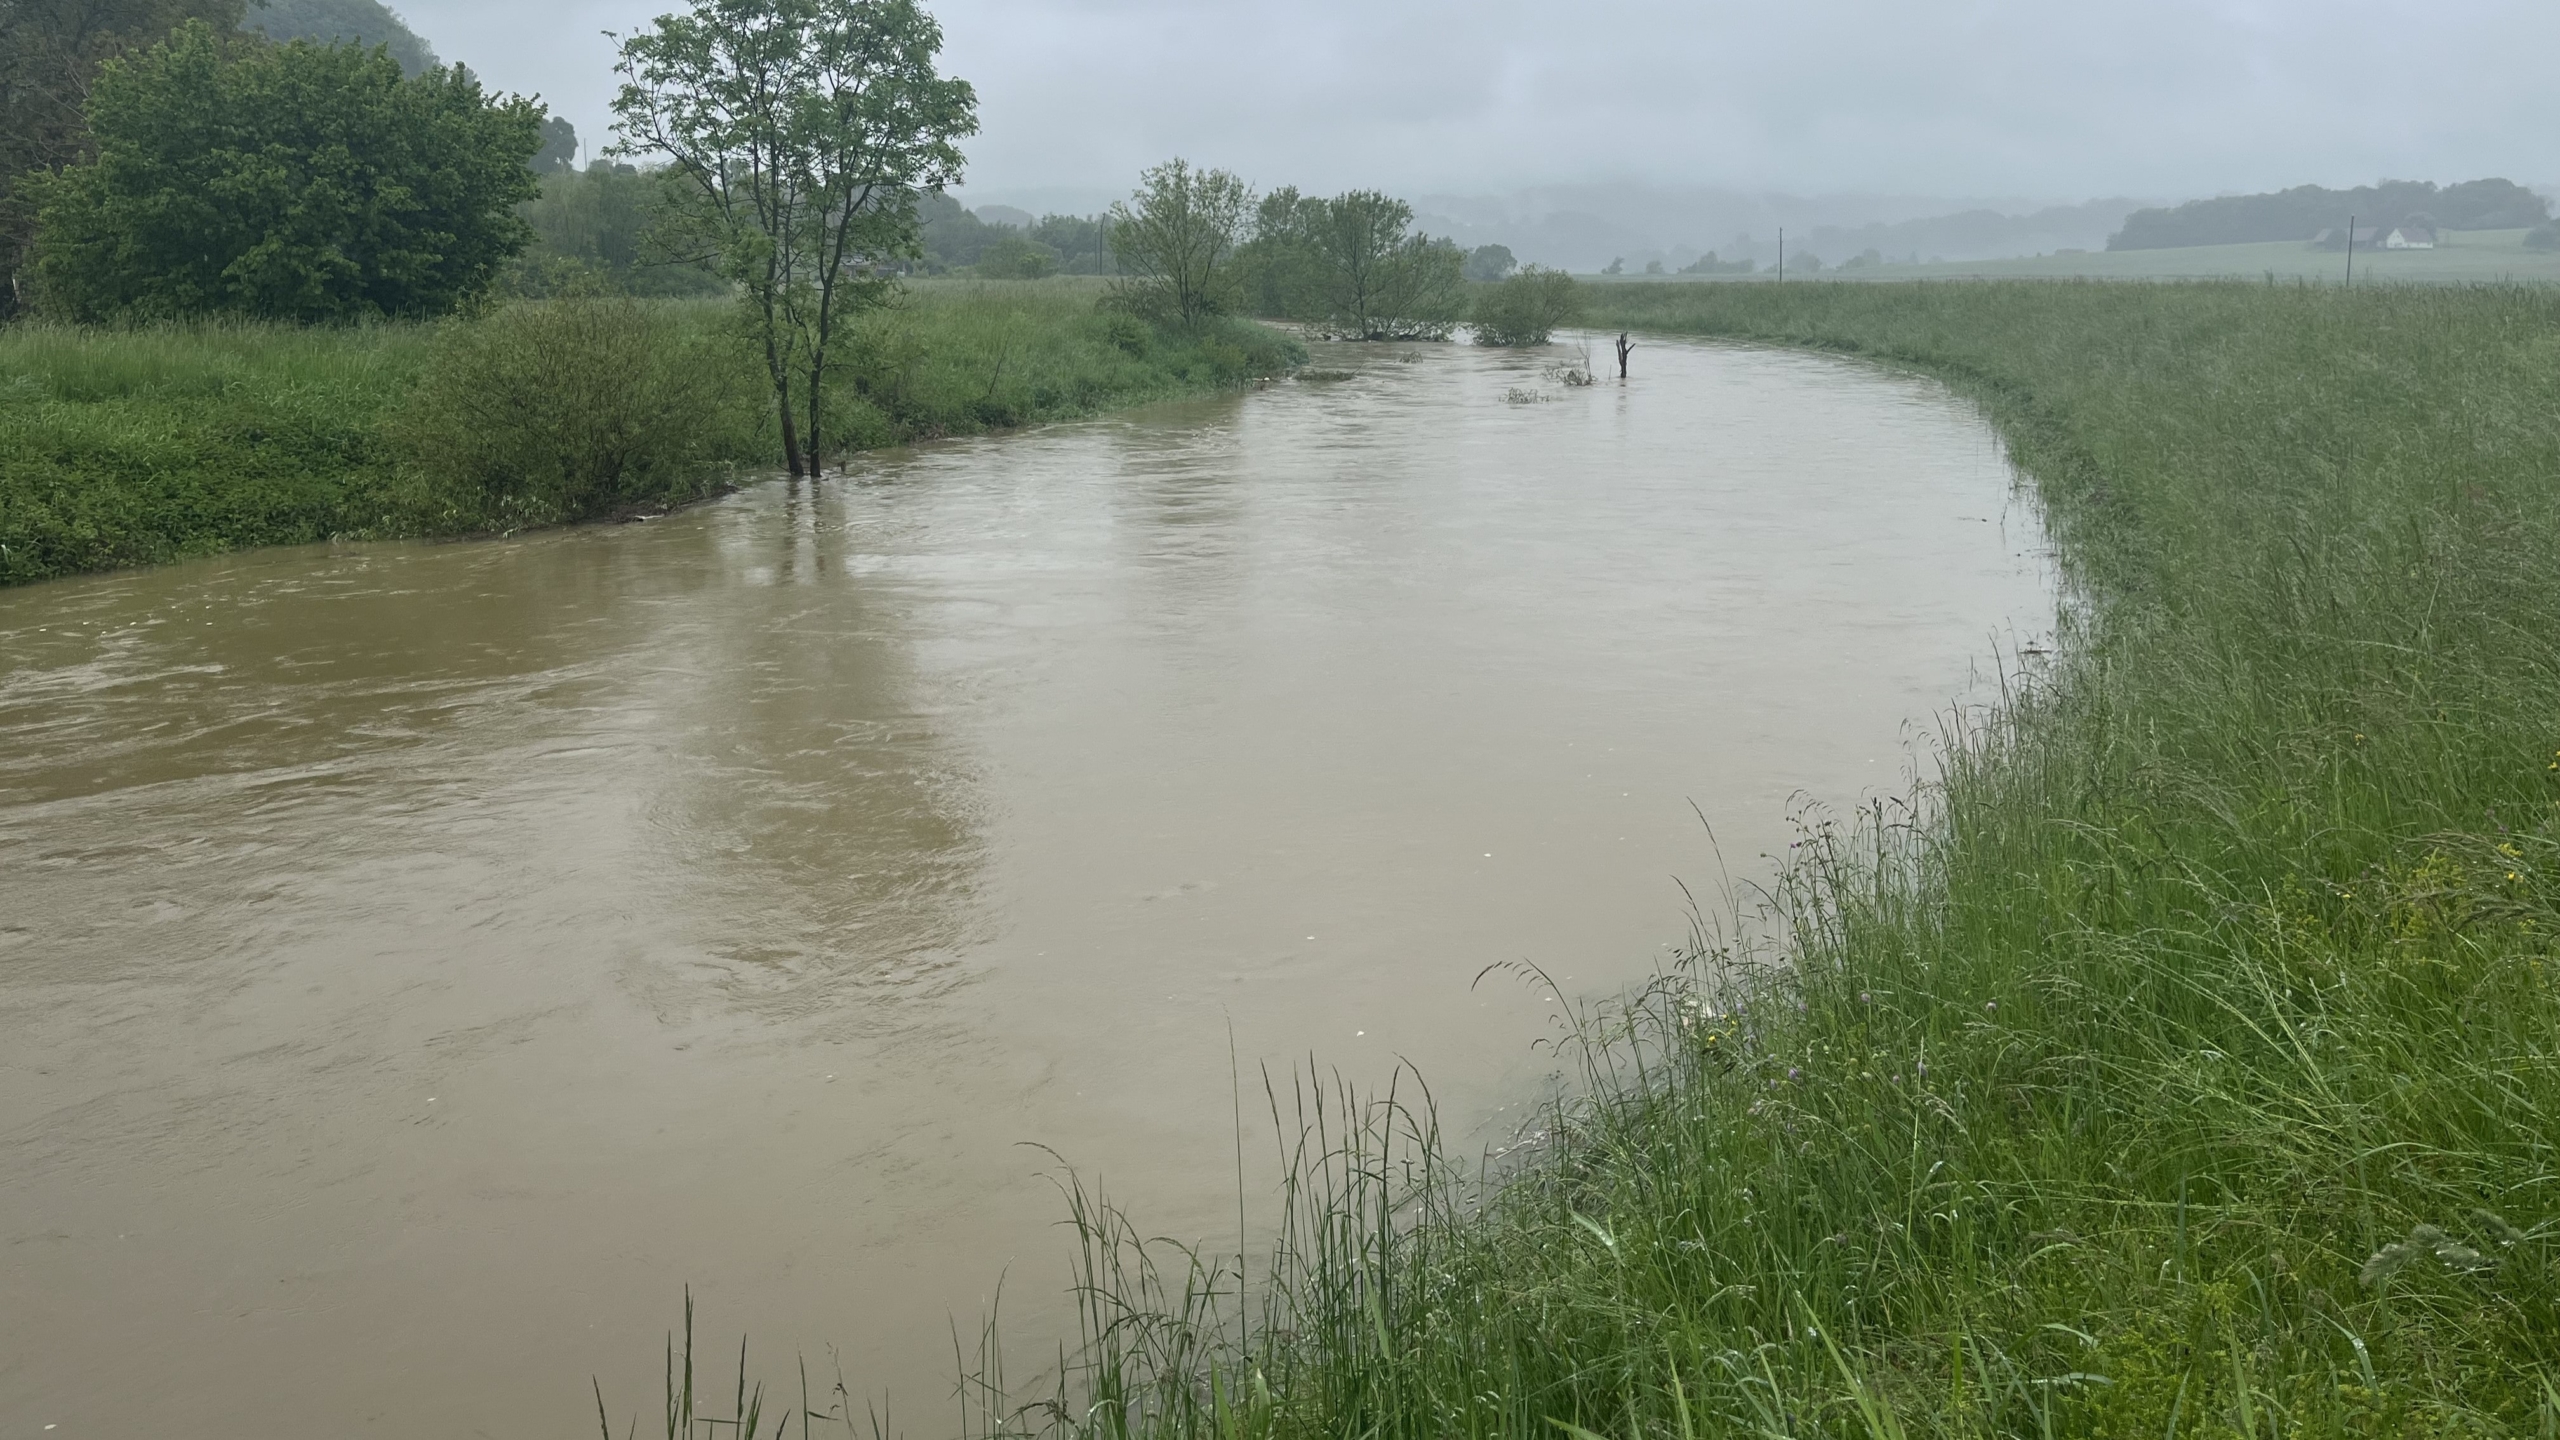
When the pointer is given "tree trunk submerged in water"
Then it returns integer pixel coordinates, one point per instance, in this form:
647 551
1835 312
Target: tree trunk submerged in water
1624 350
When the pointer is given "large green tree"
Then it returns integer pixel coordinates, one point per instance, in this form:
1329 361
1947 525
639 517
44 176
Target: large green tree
50 51
296 182
1176 242
1376 281
803 131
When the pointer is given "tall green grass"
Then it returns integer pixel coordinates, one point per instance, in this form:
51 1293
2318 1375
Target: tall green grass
140 446
2185 1062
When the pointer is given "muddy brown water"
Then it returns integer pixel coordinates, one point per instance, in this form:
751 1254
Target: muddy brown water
418 962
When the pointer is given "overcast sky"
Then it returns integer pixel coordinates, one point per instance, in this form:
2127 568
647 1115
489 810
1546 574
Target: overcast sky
2010 98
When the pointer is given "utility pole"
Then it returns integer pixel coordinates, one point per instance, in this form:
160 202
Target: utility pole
1782 254
2351 253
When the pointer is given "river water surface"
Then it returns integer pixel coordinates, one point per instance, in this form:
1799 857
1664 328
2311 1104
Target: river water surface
418 962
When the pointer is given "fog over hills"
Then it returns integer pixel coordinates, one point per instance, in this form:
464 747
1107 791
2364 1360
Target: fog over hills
1652 129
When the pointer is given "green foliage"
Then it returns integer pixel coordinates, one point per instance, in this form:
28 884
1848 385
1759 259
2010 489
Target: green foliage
2545 236
1488 263
804 130
1348 263
952 236
2305 210
141 445
596 229
1175 240
559 152
291 182
956 357
364 24
1527 308
1372 279
50 51
2183 1063
1014 257
566 409
1076 240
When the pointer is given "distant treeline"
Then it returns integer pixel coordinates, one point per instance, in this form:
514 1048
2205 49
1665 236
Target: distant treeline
2305 210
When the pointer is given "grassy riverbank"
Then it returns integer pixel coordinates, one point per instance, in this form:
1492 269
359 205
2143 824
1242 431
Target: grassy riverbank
135 447
2192 1068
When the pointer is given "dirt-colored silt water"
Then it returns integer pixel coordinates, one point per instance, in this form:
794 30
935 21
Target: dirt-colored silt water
417 963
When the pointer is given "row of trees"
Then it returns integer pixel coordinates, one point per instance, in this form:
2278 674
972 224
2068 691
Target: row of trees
1196 243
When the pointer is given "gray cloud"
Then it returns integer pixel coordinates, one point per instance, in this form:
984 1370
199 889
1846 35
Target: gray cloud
2059 98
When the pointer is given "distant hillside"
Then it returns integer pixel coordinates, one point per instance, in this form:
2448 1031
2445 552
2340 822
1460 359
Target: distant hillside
2306 210
361 22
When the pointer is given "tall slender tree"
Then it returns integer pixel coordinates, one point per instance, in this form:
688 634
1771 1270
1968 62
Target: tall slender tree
803 131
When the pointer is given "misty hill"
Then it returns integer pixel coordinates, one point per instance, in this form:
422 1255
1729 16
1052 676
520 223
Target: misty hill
361 22
2306 210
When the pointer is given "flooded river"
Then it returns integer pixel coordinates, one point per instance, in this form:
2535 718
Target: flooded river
418 962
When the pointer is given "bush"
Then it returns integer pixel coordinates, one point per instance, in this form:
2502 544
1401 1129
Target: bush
1015 258
2545 236
1527 308
565 409
288 182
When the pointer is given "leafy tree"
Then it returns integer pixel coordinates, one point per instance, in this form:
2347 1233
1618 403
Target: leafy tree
1176 239
361 23
559 152
1276 268
1016 257
1076 240
293 182
2545 236
805 129
1616 266
596 230
1374 280
1527 308
1490 262
952 234
50 53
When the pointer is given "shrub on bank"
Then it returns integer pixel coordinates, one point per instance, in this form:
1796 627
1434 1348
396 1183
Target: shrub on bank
1526 308
555 410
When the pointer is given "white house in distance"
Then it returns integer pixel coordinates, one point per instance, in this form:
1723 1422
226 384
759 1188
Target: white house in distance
2411 234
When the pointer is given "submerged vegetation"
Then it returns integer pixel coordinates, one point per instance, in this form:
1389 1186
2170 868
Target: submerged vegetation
2184 1061
137 446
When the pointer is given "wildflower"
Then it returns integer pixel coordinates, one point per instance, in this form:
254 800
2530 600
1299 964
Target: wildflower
1865 999
1990 1007
1794 1074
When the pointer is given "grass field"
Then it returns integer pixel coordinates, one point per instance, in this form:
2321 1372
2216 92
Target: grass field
2475 256
2186 1064
134 447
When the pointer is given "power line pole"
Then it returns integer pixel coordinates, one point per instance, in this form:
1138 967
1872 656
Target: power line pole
2351 253
1782 254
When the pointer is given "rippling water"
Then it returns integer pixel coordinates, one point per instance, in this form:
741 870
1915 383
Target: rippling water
417 962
